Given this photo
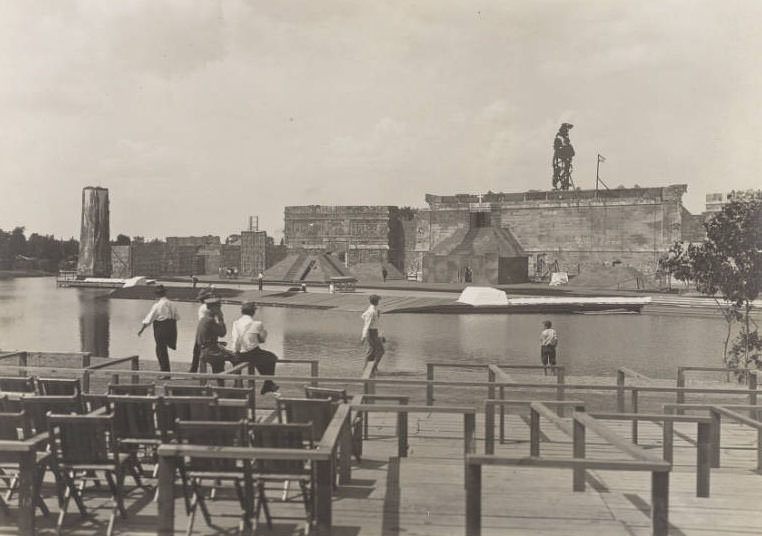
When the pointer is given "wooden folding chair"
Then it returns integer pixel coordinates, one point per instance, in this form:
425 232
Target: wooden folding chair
340 395
184 408
37 407
196 470
306 410
58 386
132 389
186 390
17 427
87 443
291 436
135 419
242 393
16 384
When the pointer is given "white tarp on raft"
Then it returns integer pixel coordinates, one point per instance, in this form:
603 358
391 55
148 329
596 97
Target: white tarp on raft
483 296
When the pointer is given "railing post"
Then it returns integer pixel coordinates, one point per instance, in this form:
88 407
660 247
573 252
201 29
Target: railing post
680 395
703 458
115 379
560 391
369 388
491 386
473 499
23 362
489 427
752 388
86 374
660 503
502 416
202 370
345 453
534 432
323 490
402 434
620 391
250 372
429 386
579 453
135 365
469 433
314 373
167 466
27 491
667 440
634 409
716 436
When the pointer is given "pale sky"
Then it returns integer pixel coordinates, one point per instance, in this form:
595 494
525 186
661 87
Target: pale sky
197 114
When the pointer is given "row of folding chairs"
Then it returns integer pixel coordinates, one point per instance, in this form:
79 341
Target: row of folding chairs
40 386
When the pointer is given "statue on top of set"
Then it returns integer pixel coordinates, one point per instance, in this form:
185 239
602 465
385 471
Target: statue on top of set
563 152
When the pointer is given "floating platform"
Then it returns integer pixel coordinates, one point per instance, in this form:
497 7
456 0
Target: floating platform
543 304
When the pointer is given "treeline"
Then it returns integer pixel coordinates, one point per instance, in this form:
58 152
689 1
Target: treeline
37 252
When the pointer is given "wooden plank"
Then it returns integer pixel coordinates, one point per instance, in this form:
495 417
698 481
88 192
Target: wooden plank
562 424
656 417
570 463
613 438
384 408
201 451
166 499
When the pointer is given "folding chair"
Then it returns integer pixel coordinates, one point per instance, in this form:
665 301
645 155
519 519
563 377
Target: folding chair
184 408
186 390
196 470
85 443
132 389
58 386
290 436
135 424
243 393
16 427
340 395
306 410
16 384
37 407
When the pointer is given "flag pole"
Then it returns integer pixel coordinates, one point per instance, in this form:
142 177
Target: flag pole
597 171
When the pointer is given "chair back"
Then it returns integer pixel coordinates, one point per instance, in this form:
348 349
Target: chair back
13 427
16 384
281 436
82 439
134 416
58 386
132 389
37 407
213 434
186 390
335 395
232 409
185 408
306 410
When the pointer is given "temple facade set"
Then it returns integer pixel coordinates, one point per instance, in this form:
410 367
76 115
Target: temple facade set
495 238
491 238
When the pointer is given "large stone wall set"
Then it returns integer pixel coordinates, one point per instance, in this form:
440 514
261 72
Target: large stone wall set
94 242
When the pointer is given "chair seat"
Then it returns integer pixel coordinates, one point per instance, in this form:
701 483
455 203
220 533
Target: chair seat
227 475
280 477
140 441
111 466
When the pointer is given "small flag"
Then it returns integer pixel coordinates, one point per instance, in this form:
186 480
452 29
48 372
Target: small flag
601 158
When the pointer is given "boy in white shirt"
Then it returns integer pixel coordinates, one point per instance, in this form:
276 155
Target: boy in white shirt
248 334
374 345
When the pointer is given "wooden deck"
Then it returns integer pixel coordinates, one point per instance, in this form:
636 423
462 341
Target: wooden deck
423 494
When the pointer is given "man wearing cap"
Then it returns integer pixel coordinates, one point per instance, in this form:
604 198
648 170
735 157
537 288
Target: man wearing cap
163 315
202 297
248 334
374 345
210 328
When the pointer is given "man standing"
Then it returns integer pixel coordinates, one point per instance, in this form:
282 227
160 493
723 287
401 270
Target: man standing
204 295
374 345
384 273
248 334
260 280
210 328
548 342
163 315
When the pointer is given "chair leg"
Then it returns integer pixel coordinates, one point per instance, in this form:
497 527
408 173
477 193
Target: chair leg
262 504
197 493
11 487
38 497
75 493
4 507
286 484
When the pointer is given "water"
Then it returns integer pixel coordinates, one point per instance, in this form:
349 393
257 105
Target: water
36 316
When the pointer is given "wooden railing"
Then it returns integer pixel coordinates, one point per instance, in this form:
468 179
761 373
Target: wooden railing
751 377
133 360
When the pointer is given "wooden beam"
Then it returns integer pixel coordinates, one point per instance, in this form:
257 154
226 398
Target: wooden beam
570 463
473 499
613 438
166 499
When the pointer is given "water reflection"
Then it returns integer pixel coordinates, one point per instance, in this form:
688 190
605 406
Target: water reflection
94 322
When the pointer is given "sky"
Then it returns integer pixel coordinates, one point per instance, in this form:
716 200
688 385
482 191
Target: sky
197 114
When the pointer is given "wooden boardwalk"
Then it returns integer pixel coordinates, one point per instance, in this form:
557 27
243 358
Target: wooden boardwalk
423 493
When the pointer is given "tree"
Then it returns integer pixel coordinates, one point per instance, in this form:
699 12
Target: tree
122 240
729 262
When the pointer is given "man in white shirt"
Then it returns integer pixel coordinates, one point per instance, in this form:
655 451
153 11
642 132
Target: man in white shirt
374 345
163 316
248 334
548 342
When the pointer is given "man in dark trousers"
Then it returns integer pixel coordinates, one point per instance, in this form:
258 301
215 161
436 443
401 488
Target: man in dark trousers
248 335
210 328
163 316
548 343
